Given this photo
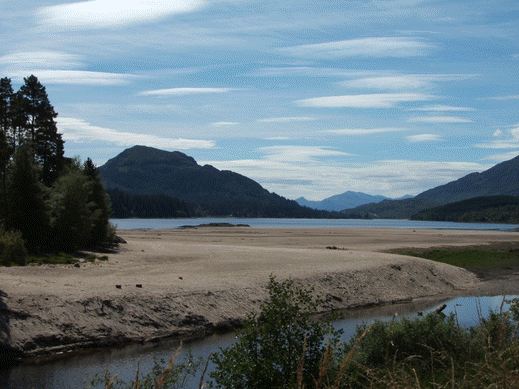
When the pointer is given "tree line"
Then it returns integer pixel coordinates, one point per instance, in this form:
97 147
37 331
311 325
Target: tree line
48 203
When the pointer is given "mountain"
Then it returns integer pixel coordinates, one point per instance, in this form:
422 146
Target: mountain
502 179
144 170
342 201
495 209
390 209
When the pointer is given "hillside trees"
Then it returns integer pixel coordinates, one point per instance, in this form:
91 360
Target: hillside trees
55 203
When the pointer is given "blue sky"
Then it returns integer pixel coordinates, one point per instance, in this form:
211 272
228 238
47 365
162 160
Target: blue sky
308 98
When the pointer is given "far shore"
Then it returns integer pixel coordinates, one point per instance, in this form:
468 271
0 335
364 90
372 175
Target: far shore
177 282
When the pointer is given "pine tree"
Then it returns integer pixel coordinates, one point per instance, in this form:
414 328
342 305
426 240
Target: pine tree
26 208
36 117
99 202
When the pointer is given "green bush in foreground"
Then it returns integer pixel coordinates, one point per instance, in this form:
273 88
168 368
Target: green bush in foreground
279 347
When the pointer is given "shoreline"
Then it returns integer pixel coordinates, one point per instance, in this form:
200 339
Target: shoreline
197 281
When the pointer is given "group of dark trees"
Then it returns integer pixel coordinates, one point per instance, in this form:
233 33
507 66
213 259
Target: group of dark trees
51 202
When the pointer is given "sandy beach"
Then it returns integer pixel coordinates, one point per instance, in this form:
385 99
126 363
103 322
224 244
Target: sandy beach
178 282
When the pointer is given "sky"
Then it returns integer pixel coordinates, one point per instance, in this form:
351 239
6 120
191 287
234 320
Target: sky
308 98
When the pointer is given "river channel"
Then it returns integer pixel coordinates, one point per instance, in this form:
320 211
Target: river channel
72 369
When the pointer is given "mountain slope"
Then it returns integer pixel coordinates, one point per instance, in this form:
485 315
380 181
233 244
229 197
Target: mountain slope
341 201
502 179
390 209
146 170
209 191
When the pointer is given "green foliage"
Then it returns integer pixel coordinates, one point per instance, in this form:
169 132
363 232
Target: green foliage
59 259
126 205
99 204
273 344
27 210
498 256
53 208
72 217
12 248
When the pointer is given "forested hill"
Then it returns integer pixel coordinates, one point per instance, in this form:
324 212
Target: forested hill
495 209
206 190
502 179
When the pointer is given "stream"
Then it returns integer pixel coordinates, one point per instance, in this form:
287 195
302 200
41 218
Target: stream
72 370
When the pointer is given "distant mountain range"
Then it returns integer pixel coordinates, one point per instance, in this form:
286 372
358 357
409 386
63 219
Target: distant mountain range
344 200
206 190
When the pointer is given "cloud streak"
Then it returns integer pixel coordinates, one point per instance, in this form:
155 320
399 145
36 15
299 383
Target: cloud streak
375 100
438 119
109 13
184 91
423 138
365 47
364 131
78 130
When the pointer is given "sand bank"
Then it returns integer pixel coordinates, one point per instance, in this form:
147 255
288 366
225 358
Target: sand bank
179 282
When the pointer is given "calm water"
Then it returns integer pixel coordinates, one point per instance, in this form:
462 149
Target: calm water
301 223
71 370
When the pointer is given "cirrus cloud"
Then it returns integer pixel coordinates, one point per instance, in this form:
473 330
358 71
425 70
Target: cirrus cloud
423 138
109 13
78 130
438 119
375 100
364 47
184 91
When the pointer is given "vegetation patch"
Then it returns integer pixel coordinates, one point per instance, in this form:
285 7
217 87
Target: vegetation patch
483 260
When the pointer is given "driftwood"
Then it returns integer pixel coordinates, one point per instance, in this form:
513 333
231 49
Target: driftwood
440 308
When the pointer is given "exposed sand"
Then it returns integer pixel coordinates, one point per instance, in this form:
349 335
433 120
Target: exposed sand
209 278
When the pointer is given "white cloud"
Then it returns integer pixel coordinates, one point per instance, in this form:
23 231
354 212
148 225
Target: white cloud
308 71
224 124
40 60
78 130
364 47
502 98
364 131
444 108
299 153
376 100
511 141
76 77
184 91
110 13
438 119
54 67
503 157
287 119
423 138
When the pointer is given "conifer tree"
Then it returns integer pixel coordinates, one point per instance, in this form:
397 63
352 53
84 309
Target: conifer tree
39 126
99 202
26 208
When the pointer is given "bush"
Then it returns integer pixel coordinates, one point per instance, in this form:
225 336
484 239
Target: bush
279 347
12 248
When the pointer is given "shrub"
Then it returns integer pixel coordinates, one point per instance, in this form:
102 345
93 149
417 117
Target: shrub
12 248
278 347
